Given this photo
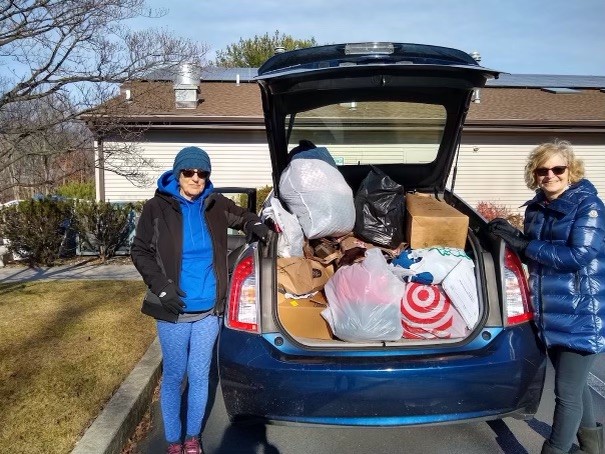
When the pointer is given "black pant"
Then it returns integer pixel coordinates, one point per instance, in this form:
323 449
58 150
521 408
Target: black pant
573 401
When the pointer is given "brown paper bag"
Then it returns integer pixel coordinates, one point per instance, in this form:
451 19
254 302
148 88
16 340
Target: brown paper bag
299 275
322 250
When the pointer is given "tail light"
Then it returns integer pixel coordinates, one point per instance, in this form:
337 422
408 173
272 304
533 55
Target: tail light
243 307
517 303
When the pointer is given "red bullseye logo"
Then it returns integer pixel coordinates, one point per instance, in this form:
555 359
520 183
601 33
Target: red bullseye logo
426 312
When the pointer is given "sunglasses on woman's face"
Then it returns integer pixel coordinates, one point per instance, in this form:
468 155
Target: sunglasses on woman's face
557 170
188 173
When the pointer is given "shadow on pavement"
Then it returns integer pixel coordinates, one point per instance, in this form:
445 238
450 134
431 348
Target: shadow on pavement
246 439
505 438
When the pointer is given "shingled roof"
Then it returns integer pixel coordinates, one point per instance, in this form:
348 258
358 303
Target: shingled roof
231 98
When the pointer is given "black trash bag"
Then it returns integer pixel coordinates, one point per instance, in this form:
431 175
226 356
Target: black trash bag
380 210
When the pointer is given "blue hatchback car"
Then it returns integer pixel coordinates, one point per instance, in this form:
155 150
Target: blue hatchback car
400 107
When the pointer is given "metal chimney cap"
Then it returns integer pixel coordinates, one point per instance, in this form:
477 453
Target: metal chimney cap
188 74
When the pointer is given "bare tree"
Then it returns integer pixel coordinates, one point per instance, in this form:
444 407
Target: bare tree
40 149
61 59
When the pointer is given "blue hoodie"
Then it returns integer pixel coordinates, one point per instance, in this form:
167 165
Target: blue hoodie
197 278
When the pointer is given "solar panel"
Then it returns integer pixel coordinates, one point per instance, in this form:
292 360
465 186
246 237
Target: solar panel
560 90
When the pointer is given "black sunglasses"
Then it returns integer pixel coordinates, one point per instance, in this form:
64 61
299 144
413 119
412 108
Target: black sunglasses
188 173
557 170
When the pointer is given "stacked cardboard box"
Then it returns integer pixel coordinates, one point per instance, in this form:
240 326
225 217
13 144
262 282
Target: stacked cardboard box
431 222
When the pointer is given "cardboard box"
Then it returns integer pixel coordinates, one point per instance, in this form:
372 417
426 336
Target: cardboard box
431 222
302 317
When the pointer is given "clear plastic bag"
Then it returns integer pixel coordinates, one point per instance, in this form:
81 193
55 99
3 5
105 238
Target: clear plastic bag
291 240
364 301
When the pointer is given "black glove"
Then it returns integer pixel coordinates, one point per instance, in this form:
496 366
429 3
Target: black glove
170 298
257 231
513 237
499 225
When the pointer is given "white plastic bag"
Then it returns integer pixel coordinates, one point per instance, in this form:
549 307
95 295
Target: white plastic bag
461 286
438 261
364 301
291 240
319 196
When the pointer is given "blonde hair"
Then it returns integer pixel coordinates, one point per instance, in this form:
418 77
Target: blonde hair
544 152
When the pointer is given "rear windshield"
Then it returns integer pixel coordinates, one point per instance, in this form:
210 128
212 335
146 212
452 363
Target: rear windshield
373 132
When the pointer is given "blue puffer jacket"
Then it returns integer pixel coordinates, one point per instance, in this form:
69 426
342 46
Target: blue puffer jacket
567 267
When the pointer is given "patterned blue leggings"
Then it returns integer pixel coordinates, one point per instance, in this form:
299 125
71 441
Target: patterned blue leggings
186 349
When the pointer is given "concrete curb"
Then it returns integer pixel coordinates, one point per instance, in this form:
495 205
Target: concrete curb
120 417
69 272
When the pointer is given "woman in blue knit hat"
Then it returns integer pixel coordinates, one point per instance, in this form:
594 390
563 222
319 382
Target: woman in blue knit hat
180 249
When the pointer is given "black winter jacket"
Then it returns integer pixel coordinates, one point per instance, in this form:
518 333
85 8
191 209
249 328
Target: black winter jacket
157 247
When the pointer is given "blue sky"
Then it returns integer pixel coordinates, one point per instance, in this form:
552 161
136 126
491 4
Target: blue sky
516 36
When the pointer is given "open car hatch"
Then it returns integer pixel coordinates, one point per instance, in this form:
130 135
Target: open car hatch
406 102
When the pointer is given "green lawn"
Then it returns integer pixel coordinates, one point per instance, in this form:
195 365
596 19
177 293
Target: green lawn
65 347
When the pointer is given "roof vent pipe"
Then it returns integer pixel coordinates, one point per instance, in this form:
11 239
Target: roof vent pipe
186 86
127 93
476 56
476 94
237 80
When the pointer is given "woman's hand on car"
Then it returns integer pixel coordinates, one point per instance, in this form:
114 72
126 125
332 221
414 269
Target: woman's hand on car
258 231
513 236
501 225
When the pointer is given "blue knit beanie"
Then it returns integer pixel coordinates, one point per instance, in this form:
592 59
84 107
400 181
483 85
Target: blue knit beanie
191 158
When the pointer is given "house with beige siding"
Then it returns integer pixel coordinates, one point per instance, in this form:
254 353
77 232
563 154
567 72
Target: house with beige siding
221 112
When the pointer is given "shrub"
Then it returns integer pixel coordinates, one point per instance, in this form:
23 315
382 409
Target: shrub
261 195
491 210
36 229
103 226
76 190
138 206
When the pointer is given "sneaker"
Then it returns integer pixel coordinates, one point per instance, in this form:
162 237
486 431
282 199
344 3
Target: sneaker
174 448
192 446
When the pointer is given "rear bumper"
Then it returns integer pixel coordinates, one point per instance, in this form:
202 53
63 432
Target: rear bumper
505 378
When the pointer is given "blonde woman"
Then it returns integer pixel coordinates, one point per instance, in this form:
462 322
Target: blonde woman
564 246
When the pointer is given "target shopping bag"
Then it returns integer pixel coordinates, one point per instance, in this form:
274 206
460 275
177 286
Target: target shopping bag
428 313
